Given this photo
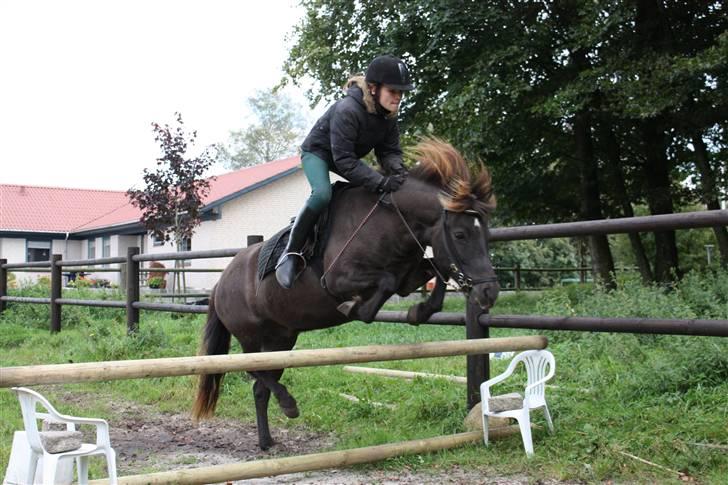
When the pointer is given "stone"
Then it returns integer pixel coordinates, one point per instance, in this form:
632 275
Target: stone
474 421
60 441
505 402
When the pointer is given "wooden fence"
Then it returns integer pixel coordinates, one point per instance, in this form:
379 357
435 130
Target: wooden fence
477 324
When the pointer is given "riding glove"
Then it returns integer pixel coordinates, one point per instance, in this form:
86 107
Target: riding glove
391 183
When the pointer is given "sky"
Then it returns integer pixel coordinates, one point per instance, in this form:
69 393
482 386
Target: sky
82 81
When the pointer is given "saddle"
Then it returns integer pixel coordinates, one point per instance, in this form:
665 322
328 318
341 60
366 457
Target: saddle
315 245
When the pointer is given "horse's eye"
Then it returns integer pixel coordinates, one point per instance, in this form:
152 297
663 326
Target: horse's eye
459 235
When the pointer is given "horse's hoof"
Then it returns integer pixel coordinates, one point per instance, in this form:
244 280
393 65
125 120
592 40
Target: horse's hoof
291 412
415 314
265 444
347 307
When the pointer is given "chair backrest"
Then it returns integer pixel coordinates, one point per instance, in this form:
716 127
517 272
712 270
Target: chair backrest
539 364
28 401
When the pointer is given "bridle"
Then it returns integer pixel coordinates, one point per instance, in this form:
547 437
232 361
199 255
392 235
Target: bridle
462 279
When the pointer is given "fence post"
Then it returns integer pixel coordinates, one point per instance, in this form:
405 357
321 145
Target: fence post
517 276
3 283
56 284
132 290
254 239
478 366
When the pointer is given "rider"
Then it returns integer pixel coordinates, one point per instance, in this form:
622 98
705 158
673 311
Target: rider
364 119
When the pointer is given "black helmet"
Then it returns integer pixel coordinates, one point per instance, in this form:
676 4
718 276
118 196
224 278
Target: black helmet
391 71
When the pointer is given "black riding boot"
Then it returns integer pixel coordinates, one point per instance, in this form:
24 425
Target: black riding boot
291 263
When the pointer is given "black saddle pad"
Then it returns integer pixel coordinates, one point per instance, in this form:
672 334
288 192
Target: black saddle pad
273 248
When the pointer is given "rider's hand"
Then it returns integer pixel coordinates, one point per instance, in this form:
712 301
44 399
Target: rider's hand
391 183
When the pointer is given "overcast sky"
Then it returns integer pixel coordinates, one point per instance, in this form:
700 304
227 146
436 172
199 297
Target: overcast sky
81 81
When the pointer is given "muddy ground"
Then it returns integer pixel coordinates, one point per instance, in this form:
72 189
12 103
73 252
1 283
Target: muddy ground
147 441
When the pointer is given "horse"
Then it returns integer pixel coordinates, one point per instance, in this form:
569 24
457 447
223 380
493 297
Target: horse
376 248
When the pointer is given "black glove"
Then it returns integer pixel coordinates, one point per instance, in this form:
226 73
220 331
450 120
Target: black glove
391 183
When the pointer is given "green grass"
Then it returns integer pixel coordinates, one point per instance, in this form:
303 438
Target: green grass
650 396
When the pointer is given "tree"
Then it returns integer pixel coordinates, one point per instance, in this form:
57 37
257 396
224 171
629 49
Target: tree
542 90
276 133
173 193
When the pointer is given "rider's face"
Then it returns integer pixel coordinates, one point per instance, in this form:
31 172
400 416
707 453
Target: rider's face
389 98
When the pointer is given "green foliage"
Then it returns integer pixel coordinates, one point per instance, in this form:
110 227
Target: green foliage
276 132
508 83
538 253
651 396
156 282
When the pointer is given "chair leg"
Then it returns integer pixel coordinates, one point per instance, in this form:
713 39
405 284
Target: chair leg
524 422
32 466
548 418
83 470
485 429
50 466
111 465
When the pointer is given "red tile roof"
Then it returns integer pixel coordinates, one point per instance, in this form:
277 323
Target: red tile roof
29 208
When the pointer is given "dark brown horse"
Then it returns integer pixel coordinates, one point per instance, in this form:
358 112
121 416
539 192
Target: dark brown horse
442 205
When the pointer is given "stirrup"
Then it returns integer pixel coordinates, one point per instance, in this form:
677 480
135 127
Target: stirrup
284 256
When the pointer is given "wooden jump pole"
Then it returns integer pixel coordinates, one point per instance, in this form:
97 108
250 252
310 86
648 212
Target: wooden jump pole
402 374
217 364
311 462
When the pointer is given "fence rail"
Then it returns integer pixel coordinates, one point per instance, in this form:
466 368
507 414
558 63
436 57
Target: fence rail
477 325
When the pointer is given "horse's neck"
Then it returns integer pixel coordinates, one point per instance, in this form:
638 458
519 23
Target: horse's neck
417 204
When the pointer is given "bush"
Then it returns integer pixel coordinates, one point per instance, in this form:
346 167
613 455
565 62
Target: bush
156 282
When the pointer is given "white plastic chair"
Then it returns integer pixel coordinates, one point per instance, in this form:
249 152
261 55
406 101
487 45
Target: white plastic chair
536 362
28 401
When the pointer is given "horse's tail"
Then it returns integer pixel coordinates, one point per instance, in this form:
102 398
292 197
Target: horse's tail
215 341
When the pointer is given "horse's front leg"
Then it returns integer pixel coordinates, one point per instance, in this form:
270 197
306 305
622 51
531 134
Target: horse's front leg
422 311
366 309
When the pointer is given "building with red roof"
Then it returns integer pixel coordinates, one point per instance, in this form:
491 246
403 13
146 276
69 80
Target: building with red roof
36 222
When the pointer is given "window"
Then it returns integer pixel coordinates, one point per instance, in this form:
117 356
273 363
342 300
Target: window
186 245
38 251
106 247
91 253
157 241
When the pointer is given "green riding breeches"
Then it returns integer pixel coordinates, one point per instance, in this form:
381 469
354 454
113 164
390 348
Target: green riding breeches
317 173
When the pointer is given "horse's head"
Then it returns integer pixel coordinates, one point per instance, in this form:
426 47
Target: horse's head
460 240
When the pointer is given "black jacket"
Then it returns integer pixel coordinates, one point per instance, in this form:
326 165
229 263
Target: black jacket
349 130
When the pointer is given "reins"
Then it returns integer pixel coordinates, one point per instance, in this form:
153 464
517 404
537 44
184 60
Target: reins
462 280
348 241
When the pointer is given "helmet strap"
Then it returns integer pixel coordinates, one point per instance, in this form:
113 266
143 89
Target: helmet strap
378 106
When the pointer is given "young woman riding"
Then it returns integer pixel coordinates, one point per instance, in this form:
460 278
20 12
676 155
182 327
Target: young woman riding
362 121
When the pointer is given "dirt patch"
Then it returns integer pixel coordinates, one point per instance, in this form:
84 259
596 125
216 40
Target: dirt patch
147 441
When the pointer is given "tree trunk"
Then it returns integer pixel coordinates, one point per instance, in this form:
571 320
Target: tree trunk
659 198
710 193
614 168
653 36
602 262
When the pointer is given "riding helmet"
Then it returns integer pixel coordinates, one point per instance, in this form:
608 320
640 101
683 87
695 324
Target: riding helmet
391 71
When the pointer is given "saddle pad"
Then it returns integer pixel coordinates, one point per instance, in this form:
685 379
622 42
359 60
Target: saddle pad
273 248
271 251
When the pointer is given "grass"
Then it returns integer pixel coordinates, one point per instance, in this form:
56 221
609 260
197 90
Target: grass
656 397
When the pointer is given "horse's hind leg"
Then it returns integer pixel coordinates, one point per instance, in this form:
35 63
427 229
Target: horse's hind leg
267 381
271 378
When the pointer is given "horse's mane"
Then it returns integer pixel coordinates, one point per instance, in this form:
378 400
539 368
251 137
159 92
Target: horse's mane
440 164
